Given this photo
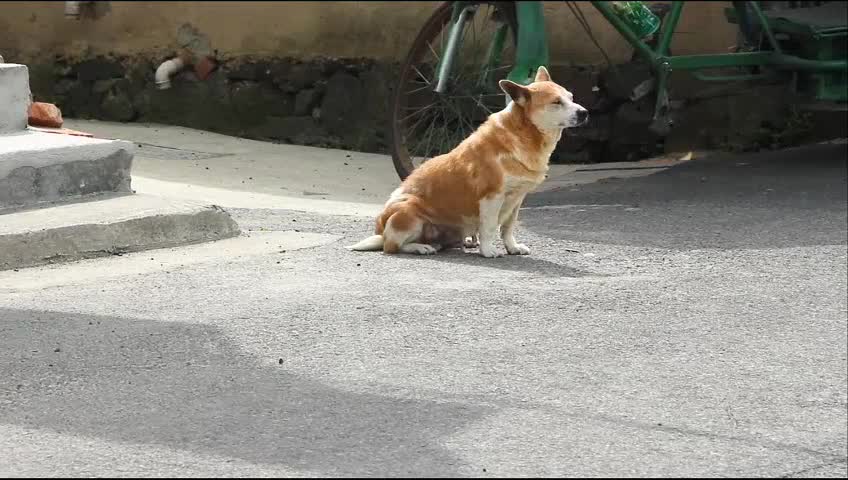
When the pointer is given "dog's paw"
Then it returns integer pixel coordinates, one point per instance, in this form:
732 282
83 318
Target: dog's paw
518 249
419 249
489 251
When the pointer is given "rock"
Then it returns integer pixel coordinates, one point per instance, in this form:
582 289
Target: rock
279 71
62 70
63 86
343 104
204 105
377 82
44 115
249 71
118 107
292 78
618 83
140 75
305 101
41 82
578 80
304 75
142 104
631 138
288 129
254 101
78 102
98 69
103 86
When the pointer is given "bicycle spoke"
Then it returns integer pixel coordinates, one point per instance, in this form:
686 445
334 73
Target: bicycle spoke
416 112
418 122
430 139
438 59
431 124
424 87
421 75
462 120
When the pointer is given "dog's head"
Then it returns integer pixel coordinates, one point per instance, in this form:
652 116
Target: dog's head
548 105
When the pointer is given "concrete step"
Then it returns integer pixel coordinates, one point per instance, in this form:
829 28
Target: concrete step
14 97
107 227
38 167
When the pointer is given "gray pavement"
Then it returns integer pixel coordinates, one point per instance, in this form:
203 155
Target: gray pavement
687 323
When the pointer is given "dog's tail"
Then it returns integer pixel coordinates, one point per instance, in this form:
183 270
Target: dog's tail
370 244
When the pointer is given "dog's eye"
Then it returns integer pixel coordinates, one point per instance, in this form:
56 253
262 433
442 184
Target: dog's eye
558 101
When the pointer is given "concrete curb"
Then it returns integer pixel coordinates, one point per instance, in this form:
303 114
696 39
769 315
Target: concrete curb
37 167
30 242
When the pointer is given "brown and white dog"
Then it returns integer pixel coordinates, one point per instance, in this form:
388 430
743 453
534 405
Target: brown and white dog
478 187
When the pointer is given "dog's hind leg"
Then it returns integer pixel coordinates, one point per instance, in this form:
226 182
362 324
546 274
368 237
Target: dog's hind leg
403 230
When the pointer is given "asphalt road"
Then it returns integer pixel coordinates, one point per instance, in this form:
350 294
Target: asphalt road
687 323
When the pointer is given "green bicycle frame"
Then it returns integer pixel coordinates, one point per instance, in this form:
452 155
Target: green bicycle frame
532 49
775 58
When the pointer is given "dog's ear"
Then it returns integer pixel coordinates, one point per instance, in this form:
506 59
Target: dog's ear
518 93
542 75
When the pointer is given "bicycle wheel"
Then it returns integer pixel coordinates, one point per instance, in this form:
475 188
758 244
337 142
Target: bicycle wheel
426 123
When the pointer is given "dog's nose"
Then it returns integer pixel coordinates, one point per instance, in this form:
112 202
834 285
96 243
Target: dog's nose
582 115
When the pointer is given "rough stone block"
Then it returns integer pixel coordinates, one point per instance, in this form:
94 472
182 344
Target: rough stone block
14 97
106 227
40 167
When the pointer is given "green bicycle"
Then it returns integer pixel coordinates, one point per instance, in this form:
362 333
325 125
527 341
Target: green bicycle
448 83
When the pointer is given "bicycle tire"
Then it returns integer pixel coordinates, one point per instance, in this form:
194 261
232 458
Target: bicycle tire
433 27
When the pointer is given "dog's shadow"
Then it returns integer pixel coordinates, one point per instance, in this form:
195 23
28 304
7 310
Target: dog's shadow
515 263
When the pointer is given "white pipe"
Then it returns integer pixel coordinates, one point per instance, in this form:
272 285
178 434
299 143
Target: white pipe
164 72
72 9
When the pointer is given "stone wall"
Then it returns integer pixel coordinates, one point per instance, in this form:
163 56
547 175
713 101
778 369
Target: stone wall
344 103
321 73
382 30
323 102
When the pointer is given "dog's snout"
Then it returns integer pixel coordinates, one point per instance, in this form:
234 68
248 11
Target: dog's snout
582 115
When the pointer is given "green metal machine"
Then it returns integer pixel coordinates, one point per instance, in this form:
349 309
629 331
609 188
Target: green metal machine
468 43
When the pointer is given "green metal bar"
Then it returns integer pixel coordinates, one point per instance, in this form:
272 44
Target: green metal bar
728 78
705 61
454 38
792 62
755 6
830 32
604 9
769 59
669 28
532 49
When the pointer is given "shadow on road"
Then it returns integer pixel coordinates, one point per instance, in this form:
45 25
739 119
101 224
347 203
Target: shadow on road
790 198
189 388
512 263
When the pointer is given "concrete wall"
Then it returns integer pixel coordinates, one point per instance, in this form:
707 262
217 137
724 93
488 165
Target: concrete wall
379 30
313 73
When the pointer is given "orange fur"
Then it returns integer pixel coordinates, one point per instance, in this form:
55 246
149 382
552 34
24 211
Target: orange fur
506 157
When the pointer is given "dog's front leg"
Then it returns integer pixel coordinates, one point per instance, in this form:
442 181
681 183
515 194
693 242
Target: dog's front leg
508 232
488 231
